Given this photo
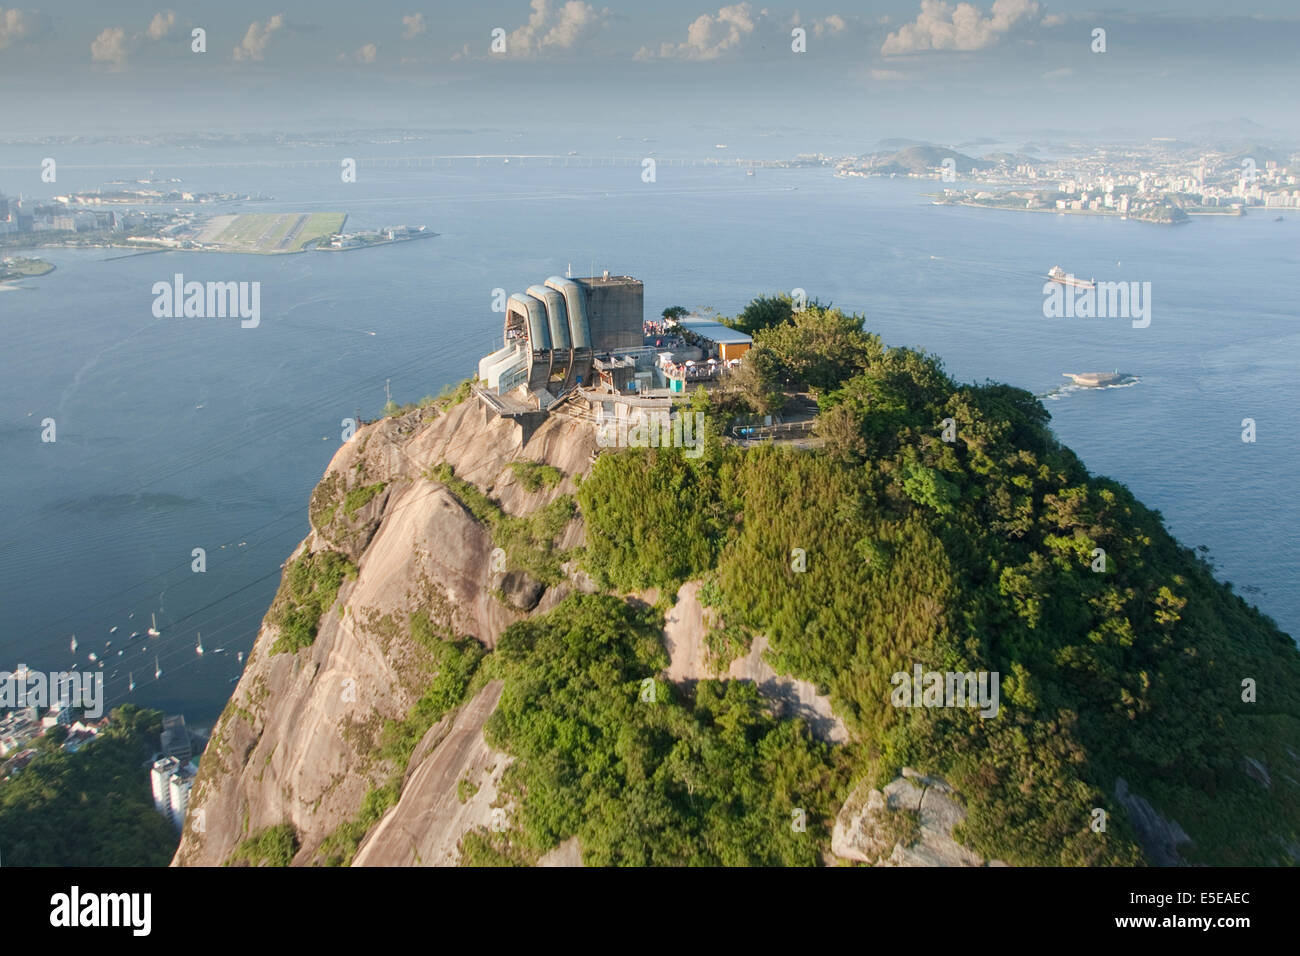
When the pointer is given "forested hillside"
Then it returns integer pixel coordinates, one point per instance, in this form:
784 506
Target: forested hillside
1120 655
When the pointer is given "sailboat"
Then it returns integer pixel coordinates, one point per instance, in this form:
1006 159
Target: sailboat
198 648
74 643
153 626
157 670
240 657
131 686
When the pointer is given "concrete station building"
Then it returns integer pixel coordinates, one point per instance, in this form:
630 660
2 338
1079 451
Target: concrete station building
557 331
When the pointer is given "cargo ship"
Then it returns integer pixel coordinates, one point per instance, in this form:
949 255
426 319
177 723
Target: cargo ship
1098 379
1057 274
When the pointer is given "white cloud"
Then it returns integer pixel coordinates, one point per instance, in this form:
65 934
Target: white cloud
1054 19
832 24
555 28
941 26
161 24
711 36
365 54
14 26
258 37
110 48
413 25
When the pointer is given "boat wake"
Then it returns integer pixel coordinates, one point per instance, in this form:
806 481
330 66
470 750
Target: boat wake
1063 391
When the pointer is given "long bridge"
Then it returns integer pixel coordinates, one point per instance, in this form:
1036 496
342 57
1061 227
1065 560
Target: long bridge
453 159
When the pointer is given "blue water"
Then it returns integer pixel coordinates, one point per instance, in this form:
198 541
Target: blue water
100 525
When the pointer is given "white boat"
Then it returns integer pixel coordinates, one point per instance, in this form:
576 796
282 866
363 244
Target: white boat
1057 274
112 629
198 648
131 686
157 670
153 626
74 643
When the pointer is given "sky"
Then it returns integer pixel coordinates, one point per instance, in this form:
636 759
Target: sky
922 69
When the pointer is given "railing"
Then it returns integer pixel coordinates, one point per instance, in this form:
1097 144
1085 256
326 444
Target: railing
781 430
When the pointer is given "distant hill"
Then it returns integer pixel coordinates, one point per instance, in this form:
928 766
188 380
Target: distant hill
920 159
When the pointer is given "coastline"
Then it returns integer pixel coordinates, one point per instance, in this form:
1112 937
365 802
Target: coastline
1073 212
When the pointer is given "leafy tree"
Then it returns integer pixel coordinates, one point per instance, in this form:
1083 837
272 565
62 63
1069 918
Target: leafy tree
769 311
646 782
92 807
840 429
756 381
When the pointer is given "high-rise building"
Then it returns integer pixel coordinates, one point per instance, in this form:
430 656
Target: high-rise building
176 738
160 783
179 785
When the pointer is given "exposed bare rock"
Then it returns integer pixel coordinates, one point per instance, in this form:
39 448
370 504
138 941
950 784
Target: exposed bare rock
298 742
1258 772
1158 837
430 818
684 628
521 591
909 823
792 698
568 853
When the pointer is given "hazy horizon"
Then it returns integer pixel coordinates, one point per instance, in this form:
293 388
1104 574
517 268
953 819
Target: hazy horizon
928 71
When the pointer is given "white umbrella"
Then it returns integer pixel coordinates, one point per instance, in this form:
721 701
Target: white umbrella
690 362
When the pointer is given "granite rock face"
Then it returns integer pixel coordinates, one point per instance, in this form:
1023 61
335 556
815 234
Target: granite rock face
297 743
908 823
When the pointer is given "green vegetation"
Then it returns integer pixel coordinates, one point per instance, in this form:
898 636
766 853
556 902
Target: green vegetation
713 781
448 397
533 474
966 555
342 844
484 509
277 232
274 846
465 789
92 807
768 311
360 496
20 267
529 540
653 520
307 591
481 848
454 665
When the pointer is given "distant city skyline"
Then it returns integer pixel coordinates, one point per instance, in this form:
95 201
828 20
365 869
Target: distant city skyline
927 70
